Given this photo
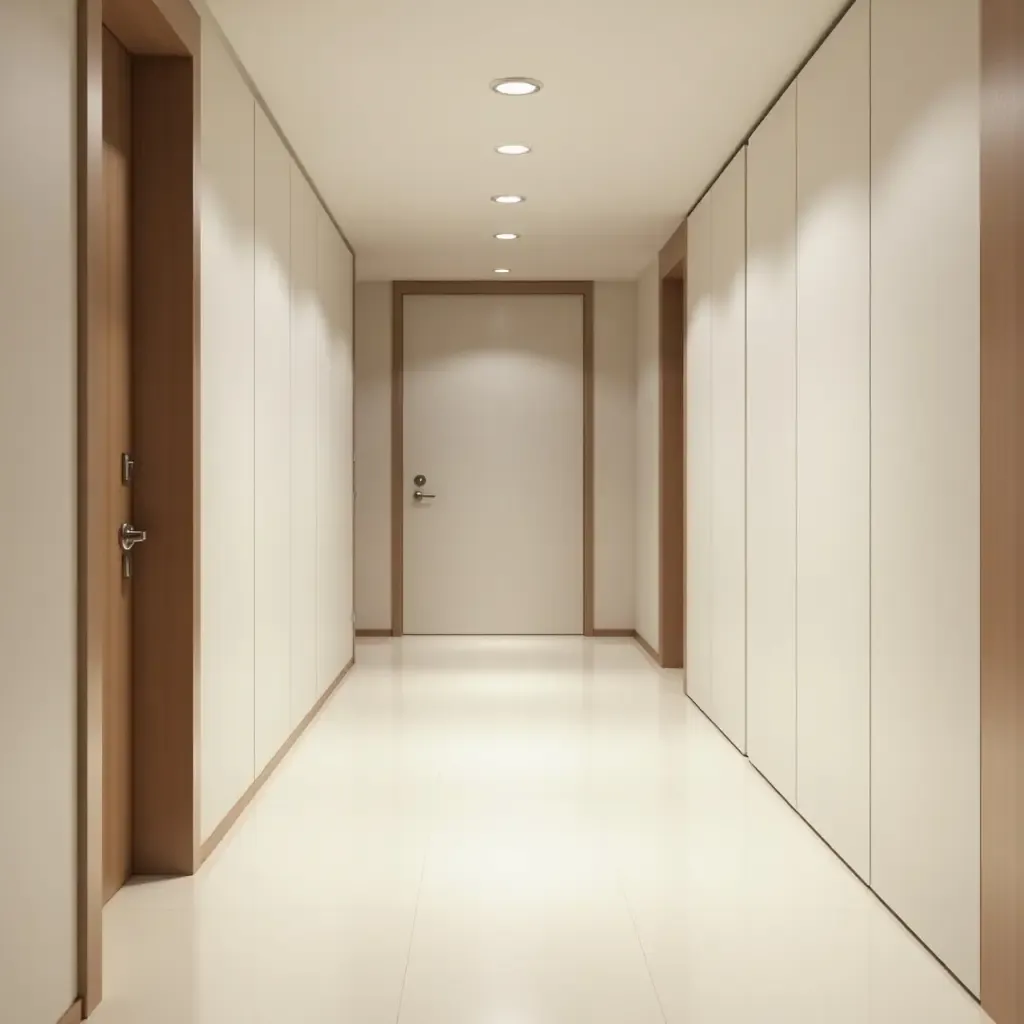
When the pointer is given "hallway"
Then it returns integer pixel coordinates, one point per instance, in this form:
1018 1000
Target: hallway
517 832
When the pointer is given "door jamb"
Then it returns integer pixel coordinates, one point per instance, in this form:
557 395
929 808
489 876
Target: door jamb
672 451
163 36
399 290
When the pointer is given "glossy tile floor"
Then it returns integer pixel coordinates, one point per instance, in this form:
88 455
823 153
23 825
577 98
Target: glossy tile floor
517 832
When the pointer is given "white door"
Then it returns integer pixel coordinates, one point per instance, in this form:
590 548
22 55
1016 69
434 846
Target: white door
493 420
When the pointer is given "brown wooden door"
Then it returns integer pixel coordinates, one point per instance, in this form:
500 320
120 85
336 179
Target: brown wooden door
117 692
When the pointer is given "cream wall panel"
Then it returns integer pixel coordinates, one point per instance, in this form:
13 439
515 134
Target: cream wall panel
305 319
771 446
648 447
728 451
615 312
346 613
273 445
833 439
228 537
373 454
925 388
699 303
38 669
334 453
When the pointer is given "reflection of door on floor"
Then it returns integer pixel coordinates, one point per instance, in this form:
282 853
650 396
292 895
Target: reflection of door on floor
117 708
493 444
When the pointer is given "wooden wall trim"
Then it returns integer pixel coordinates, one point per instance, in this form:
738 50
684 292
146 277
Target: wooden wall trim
1002 512
221 831
73 1014
647 648
165 673
399 290
170 30
92 435
154 27
672 451
672 258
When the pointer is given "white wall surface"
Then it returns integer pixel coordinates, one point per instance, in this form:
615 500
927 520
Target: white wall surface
228 444
276 442
335 630
833 439
699 316
615 313
925 528
272 416
648 449
373 455
304 325
615 453
37 465
728 451
771 446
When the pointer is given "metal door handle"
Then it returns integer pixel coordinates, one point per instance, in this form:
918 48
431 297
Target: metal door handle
129 536
419 495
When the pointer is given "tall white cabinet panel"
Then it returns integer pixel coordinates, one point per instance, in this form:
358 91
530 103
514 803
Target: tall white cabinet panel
925 562
227 557
698 456
728 451
833 439
771 446
305 319
347 490
273 442
334 455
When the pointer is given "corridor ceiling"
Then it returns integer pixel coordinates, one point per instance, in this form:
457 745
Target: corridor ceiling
387 104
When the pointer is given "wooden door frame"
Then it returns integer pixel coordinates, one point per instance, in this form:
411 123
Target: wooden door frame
163 37
1002 512
672 451
399 290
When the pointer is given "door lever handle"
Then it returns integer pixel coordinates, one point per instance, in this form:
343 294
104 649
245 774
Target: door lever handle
129 536
419 495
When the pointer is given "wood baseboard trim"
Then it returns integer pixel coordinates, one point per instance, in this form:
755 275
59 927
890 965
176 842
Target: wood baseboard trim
246 798
647 648
627 633
73 1014
366 634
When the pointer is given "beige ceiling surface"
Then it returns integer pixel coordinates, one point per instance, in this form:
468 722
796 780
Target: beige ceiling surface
387 104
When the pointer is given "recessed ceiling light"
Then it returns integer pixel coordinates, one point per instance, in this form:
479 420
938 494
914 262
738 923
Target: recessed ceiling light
516 86
508 199
513 149
502 270
506 236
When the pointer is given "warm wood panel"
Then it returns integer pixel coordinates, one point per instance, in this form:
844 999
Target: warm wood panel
771 447
154 27
1002 512
833 439
92 525
672 461
165 425
117 682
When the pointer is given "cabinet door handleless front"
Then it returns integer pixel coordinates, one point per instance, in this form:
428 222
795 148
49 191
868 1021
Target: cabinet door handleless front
833 439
